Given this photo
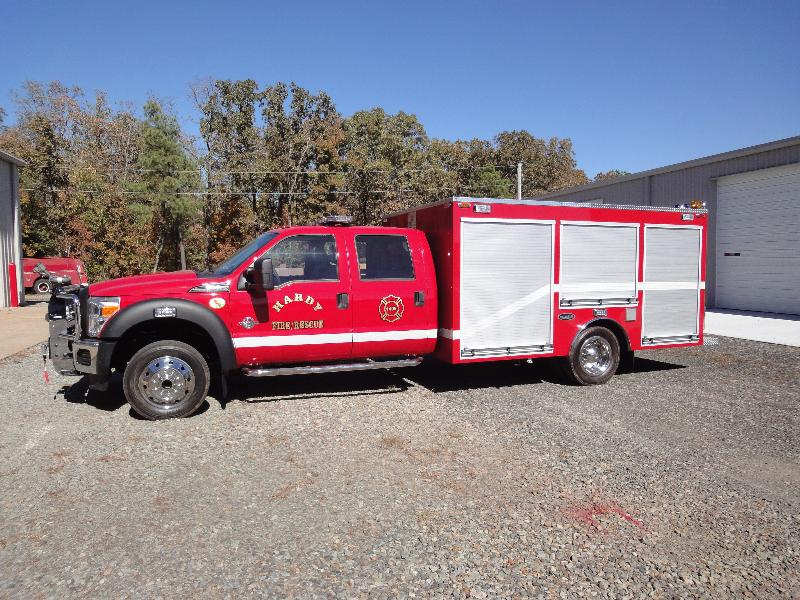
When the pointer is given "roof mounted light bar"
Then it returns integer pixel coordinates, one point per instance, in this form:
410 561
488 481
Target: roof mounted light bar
336 220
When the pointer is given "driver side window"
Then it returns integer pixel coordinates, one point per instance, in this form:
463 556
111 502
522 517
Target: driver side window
307 257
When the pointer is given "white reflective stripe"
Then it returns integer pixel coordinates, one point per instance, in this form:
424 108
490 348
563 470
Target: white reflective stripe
384 336
509 310
671 285
292 340
450 334
332 338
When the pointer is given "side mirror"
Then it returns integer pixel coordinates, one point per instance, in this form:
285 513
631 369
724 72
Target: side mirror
263 275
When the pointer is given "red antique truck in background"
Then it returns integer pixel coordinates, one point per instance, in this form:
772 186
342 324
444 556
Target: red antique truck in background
464 280
39 283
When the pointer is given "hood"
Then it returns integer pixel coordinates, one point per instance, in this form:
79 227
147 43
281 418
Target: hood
156 284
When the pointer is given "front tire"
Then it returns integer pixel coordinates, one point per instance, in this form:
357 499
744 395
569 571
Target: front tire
41 286
593 358
166 379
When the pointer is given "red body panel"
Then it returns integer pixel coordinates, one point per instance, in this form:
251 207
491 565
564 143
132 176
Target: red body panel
69 267
441 223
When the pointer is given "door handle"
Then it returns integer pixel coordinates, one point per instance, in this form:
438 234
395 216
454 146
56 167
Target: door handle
419 298
342 300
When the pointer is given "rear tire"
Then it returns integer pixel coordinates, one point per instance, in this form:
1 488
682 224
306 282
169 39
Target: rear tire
165 380
593 358
41 286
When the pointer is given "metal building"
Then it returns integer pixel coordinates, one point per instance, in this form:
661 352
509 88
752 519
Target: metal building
753 198
10 236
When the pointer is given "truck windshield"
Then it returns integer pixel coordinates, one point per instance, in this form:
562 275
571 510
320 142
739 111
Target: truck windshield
227 267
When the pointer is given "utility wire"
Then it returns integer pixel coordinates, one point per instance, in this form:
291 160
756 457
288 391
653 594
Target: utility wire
258 172
233 192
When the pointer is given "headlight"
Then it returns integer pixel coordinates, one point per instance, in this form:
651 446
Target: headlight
101 309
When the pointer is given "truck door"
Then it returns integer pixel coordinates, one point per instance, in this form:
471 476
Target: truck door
307 317
394 303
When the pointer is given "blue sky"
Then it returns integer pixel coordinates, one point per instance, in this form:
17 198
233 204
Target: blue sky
634 84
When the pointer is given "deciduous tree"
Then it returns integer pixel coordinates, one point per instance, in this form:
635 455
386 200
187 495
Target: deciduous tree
612 174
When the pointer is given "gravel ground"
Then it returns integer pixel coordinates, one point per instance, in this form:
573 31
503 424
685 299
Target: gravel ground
679 480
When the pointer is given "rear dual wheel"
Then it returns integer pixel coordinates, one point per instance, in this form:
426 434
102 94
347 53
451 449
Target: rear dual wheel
593 358
166 379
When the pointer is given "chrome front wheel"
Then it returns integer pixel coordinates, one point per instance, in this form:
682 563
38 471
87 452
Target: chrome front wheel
166 379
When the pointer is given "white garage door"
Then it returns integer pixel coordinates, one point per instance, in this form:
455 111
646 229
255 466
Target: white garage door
758 240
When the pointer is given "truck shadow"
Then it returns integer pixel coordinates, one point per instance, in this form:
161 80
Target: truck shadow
80 393
438 378
307 387
648 365
433 376
430 375
109 401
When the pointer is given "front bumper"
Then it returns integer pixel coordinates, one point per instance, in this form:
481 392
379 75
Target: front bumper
70 353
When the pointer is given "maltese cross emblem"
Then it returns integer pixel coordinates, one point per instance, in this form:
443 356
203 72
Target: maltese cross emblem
391 308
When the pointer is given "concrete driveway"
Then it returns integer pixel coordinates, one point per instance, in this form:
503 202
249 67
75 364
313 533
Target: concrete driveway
21 328
760 327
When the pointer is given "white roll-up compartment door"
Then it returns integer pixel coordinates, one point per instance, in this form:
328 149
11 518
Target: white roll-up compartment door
758 240
598 264
671 284
506 287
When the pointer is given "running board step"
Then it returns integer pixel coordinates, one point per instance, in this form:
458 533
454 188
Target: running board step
336 368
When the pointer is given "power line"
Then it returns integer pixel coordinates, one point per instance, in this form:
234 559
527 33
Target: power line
263 172
234 192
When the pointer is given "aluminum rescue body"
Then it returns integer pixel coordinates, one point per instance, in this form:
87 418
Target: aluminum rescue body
463 280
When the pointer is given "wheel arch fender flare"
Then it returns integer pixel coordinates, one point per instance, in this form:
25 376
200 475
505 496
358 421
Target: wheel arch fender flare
613 326
185 310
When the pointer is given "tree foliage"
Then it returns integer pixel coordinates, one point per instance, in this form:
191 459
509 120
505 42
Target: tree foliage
164 193
129 191
612 174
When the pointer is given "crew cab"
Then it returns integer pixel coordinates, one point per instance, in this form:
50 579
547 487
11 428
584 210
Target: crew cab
465 280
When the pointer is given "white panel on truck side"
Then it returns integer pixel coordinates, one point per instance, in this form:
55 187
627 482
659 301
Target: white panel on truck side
506 287
598 264
671 283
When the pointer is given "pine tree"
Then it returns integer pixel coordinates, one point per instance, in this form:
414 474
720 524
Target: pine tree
164 194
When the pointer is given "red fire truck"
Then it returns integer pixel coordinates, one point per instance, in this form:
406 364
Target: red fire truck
38 271
464 280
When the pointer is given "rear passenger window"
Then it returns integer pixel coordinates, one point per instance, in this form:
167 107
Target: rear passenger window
384 257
